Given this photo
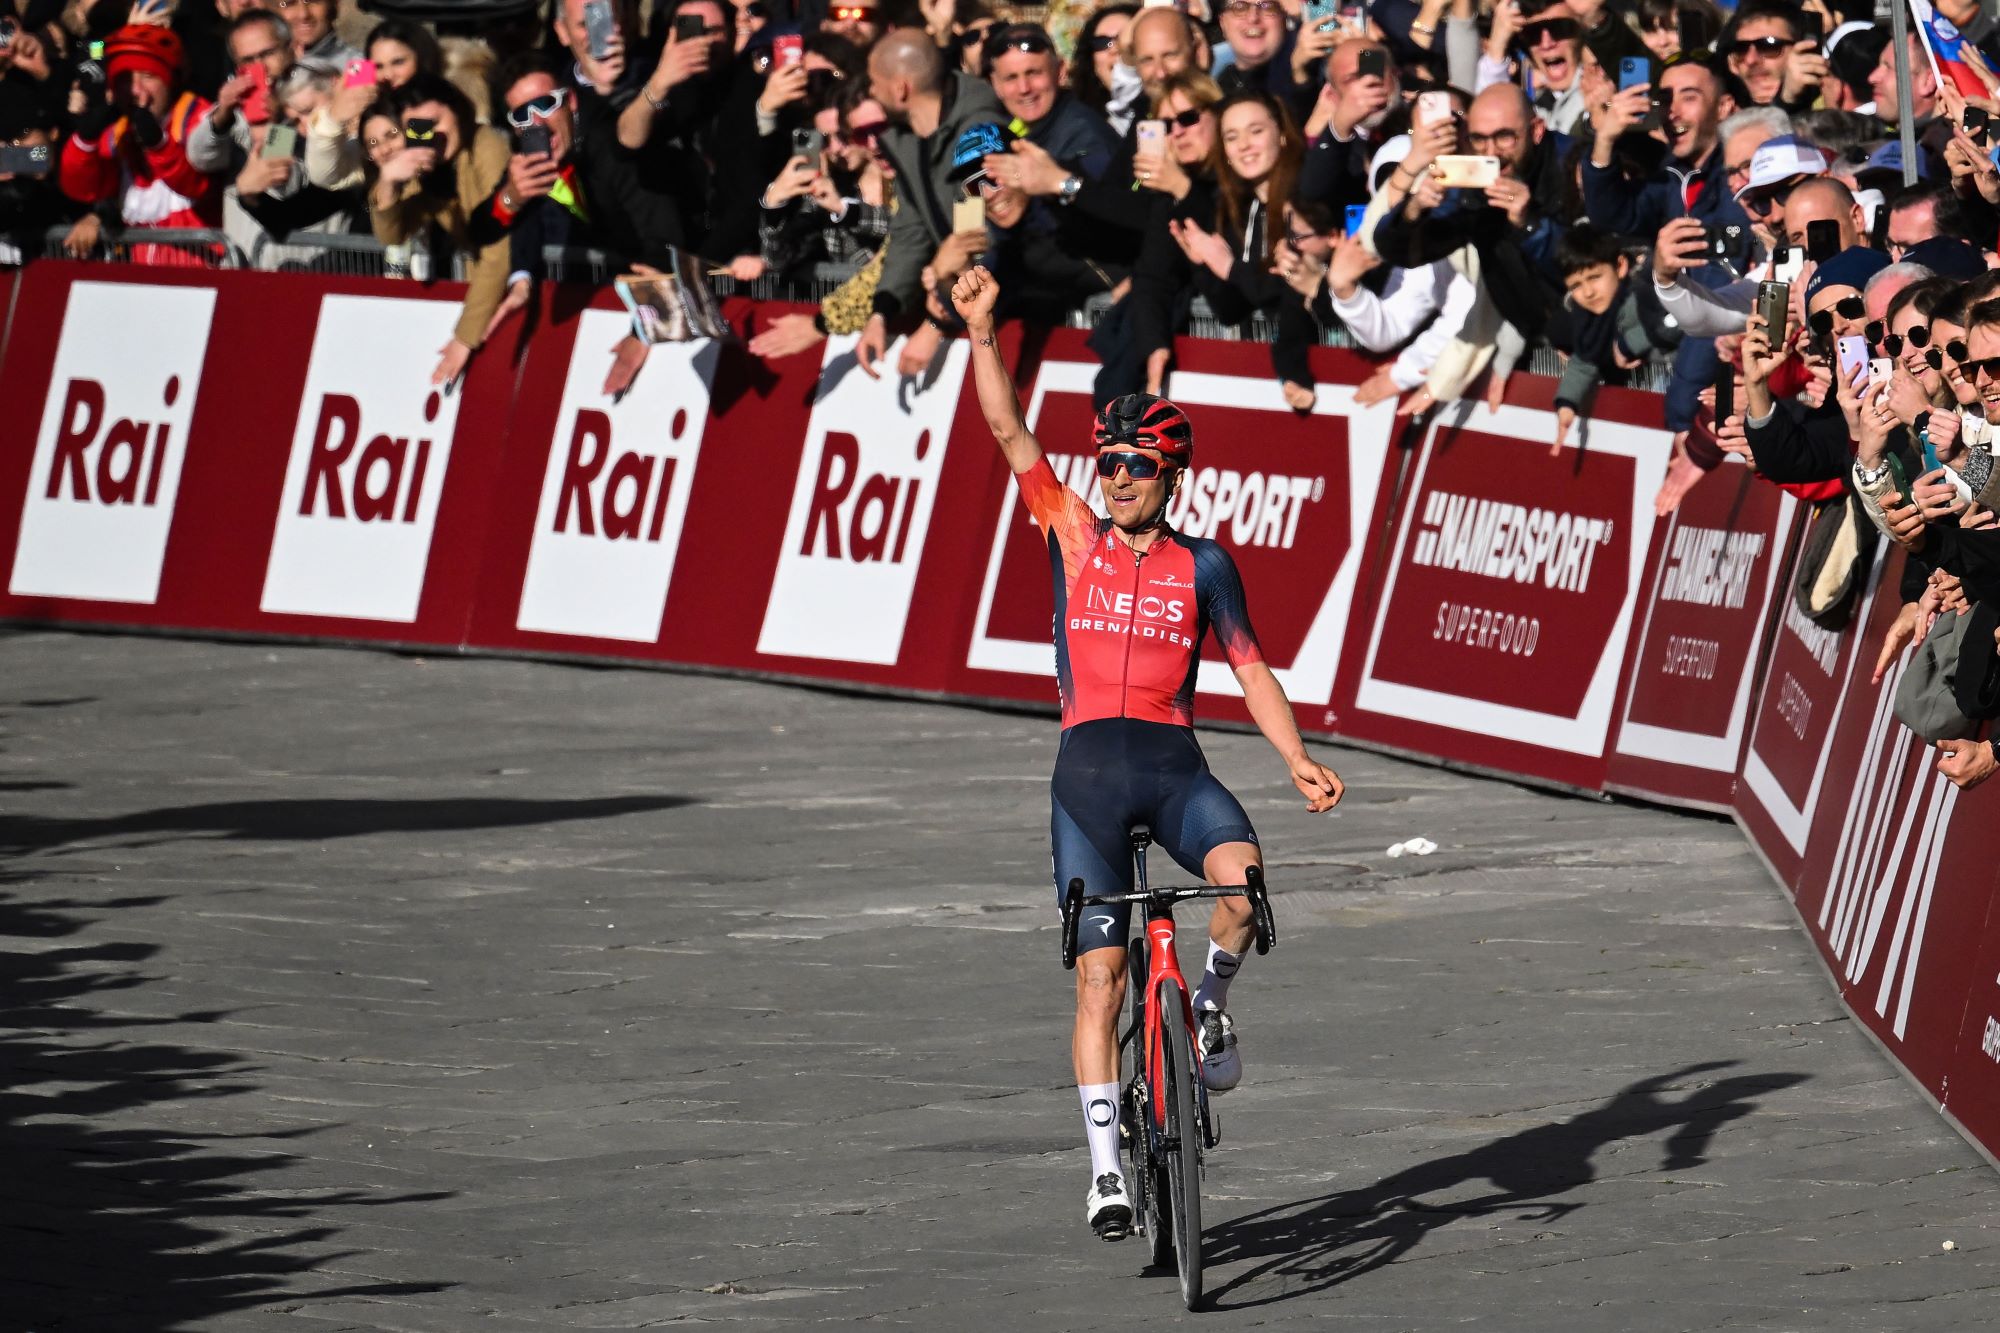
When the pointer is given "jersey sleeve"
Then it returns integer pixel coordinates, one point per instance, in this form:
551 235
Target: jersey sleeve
1056 509
1219 592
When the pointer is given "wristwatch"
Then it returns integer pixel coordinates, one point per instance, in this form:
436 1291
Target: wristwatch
1868 476
1071 186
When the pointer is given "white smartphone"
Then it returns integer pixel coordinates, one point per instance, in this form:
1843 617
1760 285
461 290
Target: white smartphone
1433 107
1460 171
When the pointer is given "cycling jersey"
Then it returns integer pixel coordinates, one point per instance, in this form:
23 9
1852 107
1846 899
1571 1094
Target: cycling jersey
1128 628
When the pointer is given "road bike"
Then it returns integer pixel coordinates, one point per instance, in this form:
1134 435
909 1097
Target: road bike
1165 1115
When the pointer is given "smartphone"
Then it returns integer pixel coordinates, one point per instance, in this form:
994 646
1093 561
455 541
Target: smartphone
1433 107
1635 72
20 160
1879 371
809 144
1725 395
360 74
7 30
968 215
1787 263
599 27
1973 121
690 28
1851 356
1460 171
1774 303
1372 63
1822 240
1931 463
1355 214
256 104
1724 242
536 139
418 132
1320 11
788 50
1812 25
281 141
1353 19
1149 133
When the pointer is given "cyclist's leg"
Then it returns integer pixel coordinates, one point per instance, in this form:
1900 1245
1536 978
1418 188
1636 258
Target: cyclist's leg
1212 837
1100 940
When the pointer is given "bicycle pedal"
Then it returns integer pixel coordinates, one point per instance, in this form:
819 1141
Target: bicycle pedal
1114 1228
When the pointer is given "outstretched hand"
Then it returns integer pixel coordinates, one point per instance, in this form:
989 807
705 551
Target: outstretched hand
1320 785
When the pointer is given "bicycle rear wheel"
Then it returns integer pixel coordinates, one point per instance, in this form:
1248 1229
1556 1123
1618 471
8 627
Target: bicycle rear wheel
1184 1135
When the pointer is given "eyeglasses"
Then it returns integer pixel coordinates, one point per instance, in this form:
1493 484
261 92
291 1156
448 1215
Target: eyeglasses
1847 307
1243 9
981 186
1503 140
1770 46
1562 30
536 108
852 14
1139 467
1184 120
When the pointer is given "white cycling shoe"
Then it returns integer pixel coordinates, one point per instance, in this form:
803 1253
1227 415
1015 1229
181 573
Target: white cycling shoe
1221 1066
1108 1207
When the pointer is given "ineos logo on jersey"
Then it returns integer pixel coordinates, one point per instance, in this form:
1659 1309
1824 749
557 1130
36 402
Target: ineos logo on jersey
615 492
370 452
114 432
1146 607
1508 541
861 506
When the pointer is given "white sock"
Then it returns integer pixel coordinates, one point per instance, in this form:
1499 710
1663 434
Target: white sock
1100 1123
1213 992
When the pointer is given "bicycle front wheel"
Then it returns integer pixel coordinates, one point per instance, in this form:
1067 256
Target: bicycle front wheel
1184 1137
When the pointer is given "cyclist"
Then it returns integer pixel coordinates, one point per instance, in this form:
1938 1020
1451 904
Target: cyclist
1133 601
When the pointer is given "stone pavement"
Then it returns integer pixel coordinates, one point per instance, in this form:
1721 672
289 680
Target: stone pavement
355 991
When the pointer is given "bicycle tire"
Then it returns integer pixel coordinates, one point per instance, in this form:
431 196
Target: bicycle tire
1184 1158
1148 1178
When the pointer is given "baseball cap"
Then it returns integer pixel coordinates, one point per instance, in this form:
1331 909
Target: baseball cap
969 153
1852 267
1888 159
1779 160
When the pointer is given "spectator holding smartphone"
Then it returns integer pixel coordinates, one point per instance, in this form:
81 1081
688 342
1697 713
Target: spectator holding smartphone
30 202
128 149
445 173
833 210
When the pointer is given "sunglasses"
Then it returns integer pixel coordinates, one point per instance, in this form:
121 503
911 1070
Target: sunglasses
536 108
1770 46
852 14
1893 343
1103 43
1563 30
1032 41
1847 307
1139 467
1972 370
865 135
1185 120
1957 351
972 37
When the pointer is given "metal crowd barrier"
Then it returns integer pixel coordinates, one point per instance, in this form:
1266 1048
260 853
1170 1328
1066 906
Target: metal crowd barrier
358 254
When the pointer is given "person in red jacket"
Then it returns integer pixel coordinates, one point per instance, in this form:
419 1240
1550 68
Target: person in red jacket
126 158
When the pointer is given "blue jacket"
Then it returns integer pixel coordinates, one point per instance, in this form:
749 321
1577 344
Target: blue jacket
1638 208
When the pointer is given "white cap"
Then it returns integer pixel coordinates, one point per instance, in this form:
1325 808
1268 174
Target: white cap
1778 160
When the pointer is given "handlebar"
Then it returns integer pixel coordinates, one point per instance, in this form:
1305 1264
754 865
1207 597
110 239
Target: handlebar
1263 928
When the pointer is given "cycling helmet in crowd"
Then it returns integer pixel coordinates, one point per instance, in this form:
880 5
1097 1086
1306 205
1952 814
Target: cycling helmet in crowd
144 46
1150 423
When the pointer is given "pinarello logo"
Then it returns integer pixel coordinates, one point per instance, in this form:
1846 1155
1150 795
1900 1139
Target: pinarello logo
616 491
114 433
369 455
861 506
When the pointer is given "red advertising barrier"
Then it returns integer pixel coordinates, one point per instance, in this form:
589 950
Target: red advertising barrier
264 455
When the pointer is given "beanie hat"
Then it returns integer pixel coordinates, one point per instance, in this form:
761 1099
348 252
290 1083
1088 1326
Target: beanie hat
1850 268
144 47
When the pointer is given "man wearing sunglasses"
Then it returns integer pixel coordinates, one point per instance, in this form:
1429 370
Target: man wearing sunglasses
1797 441
859 24
1761 45
1134 600
928 108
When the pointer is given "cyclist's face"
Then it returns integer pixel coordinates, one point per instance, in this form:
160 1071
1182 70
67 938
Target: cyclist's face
1135 504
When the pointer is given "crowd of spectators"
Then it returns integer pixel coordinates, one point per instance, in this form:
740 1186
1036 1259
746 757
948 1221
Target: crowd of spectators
1450 181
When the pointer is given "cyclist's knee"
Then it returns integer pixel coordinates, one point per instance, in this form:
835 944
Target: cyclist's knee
1100 984
1229 863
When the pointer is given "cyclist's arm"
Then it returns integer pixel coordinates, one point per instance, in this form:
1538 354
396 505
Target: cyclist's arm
973 296
1272 713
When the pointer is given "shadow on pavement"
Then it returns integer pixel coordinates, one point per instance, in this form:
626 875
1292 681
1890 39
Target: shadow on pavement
1320 1243
107 1225
310 820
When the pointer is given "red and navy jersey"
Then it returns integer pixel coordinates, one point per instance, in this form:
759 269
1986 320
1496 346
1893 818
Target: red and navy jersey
1128 627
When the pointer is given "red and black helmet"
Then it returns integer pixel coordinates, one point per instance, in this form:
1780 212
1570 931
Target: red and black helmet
1148 422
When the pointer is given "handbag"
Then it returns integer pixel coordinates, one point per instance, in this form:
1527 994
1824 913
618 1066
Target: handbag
1833 568
1926 697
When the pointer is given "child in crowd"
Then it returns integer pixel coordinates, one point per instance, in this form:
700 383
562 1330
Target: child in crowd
1598 331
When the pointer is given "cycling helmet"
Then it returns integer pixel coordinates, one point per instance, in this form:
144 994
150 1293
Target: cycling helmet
1150 423
144 46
